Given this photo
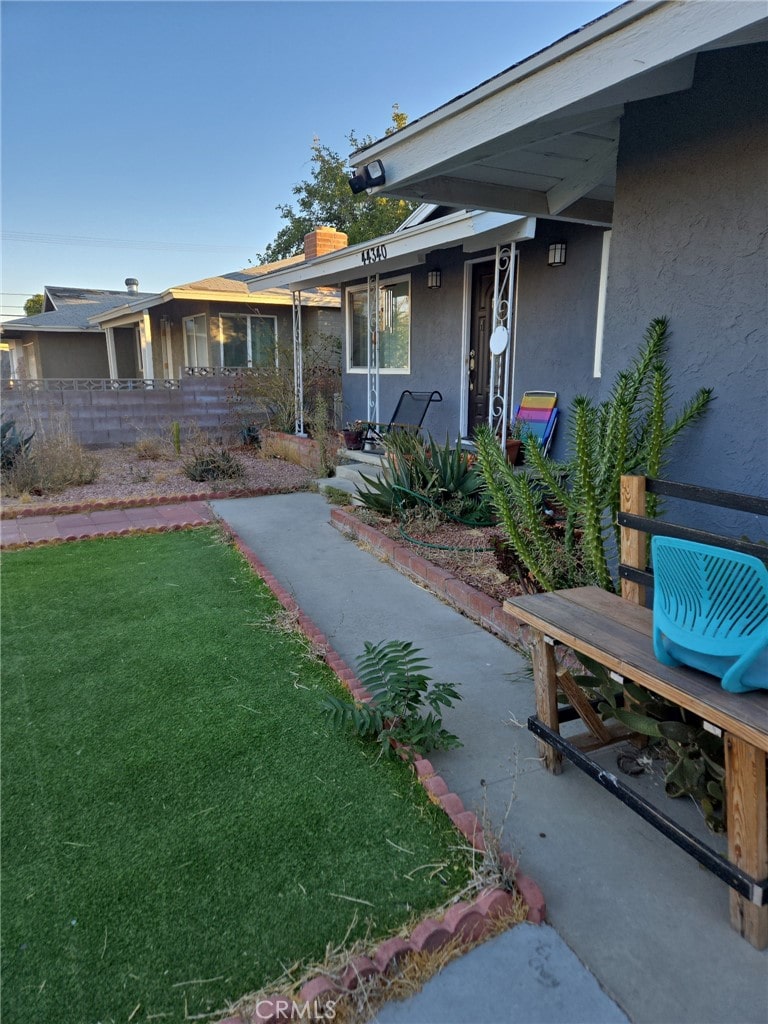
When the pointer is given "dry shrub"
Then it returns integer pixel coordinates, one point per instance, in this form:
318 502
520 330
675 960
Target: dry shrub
151 448
56 460
274 448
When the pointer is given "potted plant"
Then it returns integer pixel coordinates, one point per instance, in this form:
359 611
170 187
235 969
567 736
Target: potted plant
515 442
354 434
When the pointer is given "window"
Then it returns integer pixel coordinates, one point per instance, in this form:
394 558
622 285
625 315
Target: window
394 325
196 341
247 340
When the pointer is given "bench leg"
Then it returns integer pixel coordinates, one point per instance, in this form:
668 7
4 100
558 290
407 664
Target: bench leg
545 684
747 832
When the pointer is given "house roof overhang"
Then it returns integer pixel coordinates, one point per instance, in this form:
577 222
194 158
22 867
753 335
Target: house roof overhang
541 138
401 249
132 312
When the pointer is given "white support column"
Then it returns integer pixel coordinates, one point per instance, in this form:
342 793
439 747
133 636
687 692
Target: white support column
501 341
111 353
145 340
373 349
298 365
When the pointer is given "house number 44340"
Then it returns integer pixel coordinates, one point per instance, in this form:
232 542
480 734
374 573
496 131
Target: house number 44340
374 254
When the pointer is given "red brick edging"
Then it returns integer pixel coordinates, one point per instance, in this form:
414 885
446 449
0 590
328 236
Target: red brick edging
22 511
485 610
467 921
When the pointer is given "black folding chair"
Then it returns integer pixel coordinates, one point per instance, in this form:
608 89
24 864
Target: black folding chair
409 415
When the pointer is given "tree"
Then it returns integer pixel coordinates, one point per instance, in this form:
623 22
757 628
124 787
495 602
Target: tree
327 200
33 305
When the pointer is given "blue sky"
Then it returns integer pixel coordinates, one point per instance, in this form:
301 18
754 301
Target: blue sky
155 139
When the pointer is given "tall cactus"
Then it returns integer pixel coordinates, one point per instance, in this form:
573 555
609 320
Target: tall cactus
628 433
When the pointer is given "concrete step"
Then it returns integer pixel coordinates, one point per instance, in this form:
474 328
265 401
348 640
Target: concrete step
353 471
339 484
370 458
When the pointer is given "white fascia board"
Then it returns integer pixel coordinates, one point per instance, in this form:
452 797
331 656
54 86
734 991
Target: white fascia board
608 61
12 328
402 250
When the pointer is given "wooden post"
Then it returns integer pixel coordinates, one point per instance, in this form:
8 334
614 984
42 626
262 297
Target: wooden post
747 832
545 684
634 543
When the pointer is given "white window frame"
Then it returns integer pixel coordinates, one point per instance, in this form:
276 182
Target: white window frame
248 333
188 362
358 288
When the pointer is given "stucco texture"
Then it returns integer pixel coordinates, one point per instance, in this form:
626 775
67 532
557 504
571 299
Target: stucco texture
689 242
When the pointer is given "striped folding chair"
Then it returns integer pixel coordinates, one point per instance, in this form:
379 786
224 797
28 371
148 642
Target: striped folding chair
537 413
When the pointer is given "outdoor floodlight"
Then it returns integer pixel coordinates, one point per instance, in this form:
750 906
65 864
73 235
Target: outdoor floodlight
370 176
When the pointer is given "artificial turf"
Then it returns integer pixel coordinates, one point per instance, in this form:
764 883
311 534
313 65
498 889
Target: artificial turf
179 821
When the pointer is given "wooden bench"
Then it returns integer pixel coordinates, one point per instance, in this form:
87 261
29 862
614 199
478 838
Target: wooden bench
617 633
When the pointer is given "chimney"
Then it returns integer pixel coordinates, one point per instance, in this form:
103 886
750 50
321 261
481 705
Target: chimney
132 285
322 241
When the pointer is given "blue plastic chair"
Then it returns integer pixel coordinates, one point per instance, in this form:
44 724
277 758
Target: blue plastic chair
710 611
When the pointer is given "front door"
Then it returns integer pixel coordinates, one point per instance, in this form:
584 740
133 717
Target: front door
481 325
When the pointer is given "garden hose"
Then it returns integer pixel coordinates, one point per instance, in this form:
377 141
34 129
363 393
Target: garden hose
456 519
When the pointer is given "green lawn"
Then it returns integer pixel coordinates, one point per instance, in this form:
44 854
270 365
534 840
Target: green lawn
175 808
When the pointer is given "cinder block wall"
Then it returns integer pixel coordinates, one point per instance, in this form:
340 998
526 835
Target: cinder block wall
112 418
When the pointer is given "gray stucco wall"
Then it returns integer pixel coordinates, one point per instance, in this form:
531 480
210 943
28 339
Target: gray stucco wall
556 316
436 325
555 330
689 242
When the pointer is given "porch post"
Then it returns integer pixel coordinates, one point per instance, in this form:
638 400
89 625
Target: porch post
111 353
145 340
298 364
373 349
502 341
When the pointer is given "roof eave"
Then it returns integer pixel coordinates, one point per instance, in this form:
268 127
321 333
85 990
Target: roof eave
399 250
637 51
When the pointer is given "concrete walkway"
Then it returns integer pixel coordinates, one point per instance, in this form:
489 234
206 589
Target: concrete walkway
648 923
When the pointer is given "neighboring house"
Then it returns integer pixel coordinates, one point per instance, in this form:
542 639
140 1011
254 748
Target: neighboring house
652 122
209 324
61 342
438 287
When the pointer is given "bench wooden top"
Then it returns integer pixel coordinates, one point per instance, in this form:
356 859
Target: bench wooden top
618 634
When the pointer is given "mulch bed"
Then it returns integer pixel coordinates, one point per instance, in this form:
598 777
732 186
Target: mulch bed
478 566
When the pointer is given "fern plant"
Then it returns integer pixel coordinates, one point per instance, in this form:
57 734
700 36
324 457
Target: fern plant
406 707
628 433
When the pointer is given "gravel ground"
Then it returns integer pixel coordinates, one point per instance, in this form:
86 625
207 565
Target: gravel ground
123 474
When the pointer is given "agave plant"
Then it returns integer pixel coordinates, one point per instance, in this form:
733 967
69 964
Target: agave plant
628 433
426 474
12 444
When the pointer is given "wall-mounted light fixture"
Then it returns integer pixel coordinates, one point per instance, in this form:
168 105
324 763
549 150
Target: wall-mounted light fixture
556 254
434 279
372 174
